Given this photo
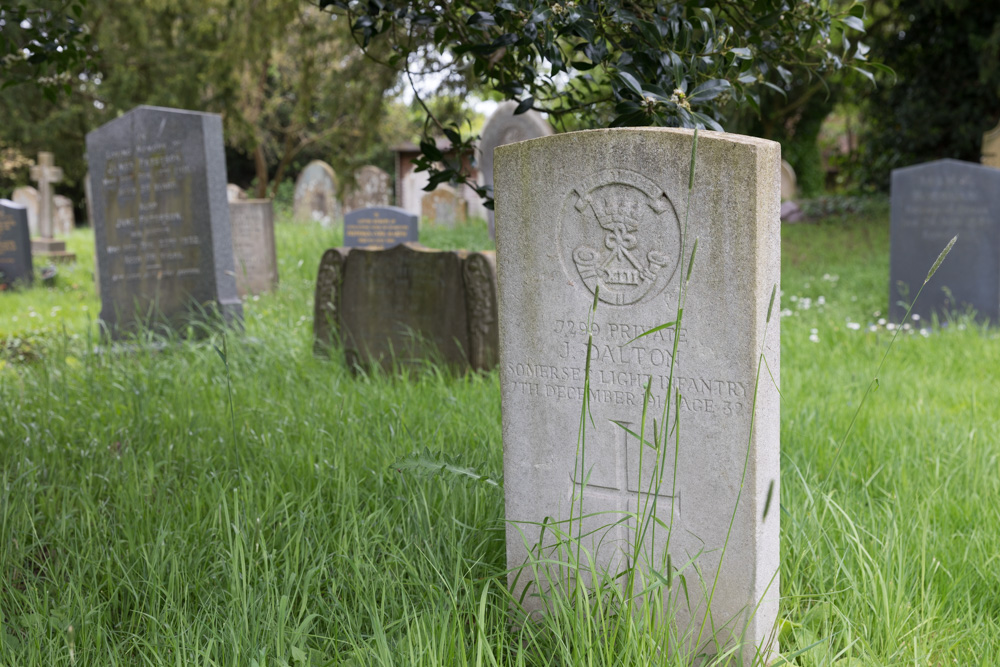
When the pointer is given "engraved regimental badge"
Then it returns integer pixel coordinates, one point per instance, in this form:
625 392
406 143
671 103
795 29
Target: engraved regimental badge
620 231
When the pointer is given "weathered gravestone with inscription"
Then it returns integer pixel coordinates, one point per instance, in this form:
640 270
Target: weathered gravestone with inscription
379 227
252 225
316 194
502 128
599 215
444 207
930 204
408 305
371 189
991 148
161 219
15 245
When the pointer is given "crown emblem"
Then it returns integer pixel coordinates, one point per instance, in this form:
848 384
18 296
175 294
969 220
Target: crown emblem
626 263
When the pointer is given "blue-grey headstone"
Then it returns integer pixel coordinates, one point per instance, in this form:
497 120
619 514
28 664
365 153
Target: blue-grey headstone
15 244
931 203
161 219
379 227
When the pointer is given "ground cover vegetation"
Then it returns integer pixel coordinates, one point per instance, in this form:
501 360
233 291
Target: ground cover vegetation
240 501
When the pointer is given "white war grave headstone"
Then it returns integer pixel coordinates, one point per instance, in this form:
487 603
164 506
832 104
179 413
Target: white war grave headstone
161 220
316 194
600 214
503 127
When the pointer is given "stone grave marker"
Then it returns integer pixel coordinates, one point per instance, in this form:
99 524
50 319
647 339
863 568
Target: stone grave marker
931 203
408 305
27 196
379 227
64 220
444 207
161 219
991 148
326 304
252 229
46 174
371 189
316 194
235 192
789 184
15 245
503 127
598 216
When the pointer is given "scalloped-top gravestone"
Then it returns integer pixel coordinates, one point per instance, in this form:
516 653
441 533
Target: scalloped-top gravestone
161 219
930 204
598 216
503 127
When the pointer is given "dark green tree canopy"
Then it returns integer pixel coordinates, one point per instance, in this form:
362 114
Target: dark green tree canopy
613 63
43 43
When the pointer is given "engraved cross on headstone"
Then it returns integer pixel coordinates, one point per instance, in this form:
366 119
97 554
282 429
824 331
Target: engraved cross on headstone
624 484
45 173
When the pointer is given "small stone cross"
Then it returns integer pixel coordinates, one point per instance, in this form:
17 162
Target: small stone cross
45 173
628 486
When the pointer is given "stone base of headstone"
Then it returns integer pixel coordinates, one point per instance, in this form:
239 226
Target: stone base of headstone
52 250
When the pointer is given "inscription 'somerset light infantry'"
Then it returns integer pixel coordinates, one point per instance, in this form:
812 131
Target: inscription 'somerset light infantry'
600 213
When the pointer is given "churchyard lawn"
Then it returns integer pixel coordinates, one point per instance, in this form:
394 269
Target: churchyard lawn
150 516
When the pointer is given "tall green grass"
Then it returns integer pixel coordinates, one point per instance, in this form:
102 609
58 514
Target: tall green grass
138 526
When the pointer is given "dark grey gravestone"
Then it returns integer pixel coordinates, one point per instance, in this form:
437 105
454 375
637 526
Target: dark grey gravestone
161 219
931 203
15 245
379 227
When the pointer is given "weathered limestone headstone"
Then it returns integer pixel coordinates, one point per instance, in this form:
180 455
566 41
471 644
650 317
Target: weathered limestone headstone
379 227
371 189
316 194
27 196
789 184
503 127
64 219
600 214
444 207
235 192
991 148
45 173
161 219
15 245
408 305
252 224
931 203
326 304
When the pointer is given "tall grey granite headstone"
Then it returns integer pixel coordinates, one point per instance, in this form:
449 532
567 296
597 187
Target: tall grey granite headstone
15 245
503 127
601 214
930 204
252 224
161 219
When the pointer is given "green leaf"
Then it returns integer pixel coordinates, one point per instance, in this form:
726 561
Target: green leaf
631 82
298 655
524 105
709 90
854 23
668 325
